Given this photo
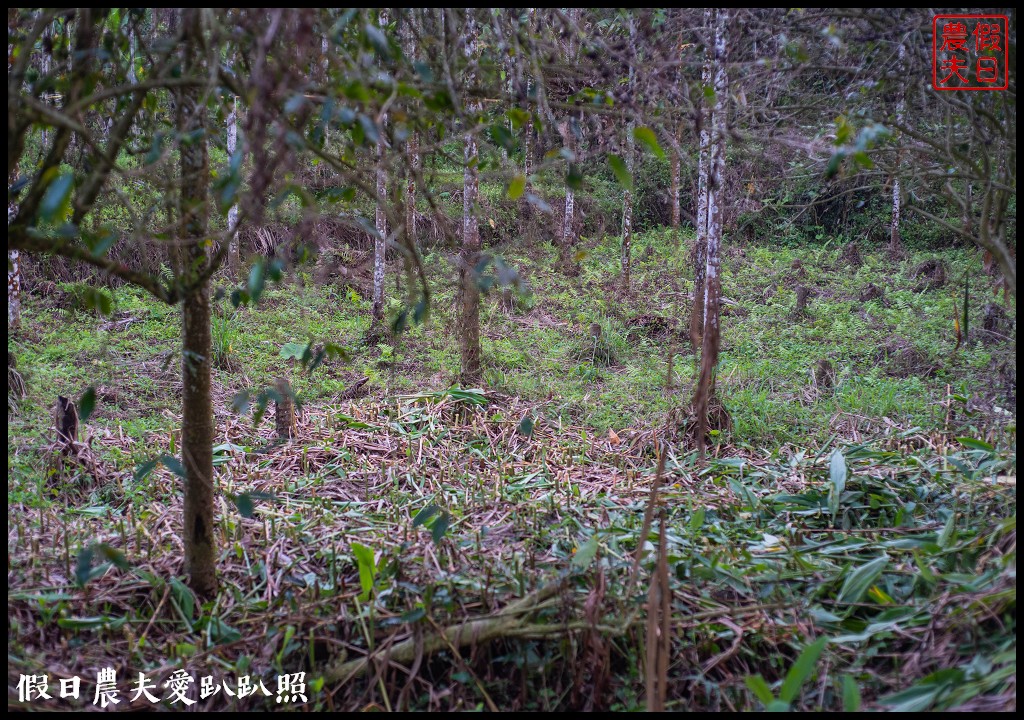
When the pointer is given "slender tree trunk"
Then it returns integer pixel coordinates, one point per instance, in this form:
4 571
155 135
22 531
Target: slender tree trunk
676 212
234 261
568 131
700 247
410 190
627 196
712 286
13 268
197 404
380 242
44 70
967 222
528 136
13 290
13 258
895 244
566 259
412 144
676 160
470 320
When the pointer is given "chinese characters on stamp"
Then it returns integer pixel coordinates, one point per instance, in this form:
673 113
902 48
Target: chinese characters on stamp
970 52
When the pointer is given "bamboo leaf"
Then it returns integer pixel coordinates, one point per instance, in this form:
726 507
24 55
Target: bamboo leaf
647 137
367 568
621 172
86 404
802 670
858 582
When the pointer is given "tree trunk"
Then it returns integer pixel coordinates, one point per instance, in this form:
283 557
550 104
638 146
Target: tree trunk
13 268
712 286
627 196
895 244
528 135
700 247
197 403
566 254
234 261
13 290
470 313
412 144
676 213
380 242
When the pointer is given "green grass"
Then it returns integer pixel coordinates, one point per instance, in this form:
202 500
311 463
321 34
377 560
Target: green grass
545 352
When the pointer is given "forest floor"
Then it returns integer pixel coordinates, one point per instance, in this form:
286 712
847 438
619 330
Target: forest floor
865 494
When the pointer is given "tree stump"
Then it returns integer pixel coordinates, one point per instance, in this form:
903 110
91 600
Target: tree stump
285 411
802 293
824 375
850 256
15 383
66 422
994 319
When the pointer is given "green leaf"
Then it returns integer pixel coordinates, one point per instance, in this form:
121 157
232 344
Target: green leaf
621 172
257 281
975 444
833 163
801 670
173 464
500 136
369 128
414 615
145 469
647 137
221 632
574 177
585 554
917 698
99 244
86 404
244 504
400 323
439 527
184 598
112 555
367 568
851 694
98 299
97 622
516 187
378 40
424 515
946 537
526 426
83 566
759 687
56 199
293 351
696 520
860 580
